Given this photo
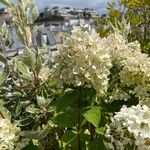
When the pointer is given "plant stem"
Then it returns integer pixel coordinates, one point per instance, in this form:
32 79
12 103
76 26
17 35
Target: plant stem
92 132
79 120
78 129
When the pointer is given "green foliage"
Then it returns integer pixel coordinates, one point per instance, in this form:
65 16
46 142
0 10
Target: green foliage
4 112
136 13
67 119
67 99
61 118
3 75
92 114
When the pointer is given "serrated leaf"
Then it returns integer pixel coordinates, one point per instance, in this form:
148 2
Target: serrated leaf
92 114
67 99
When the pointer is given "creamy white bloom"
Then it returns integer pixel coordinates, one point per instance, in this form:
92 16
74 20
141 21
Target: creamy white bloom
9 134
120 49
133 67
136 73
83 61
136 121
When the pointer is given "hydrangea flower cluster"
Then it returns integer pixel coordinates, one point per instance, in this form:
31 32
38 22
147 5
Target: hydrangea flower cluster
135 120
119 49
8 134
136 73
83 61
134 67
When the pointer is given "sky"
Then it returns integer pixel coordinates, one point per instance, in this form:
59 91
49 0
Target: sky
98 5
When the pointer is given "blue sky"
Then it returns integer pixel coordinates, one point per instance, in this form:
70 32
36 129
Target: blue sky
98 5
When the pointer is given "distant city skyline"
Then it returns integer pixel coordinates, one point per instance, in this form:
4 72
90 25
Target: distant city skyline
97 5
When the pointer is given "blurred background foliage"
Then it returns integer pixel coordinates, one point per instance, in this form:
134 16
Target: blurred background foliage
134 12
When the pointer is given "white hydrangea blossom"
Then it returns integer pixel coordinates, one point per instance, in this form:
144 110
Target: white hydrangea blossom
83 61
136 73
135 120
119 49
117 136
134 67
9 134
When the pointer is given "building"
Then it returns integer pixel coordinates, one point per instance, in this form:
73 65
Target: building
53 22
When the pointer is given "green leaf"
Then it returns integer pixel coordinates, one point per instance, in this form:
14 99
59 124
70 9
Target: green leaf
30 146
39 62
98 144
2 102
4 75
3 59
25 122
18 109
6 3
92 114
36 134
4 112
28 58
67 119
67 99
100 130
31 109
67 138
41 101
16 94
21 67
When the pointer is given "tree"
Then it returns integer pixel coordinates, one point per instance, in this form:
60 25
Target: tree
134 11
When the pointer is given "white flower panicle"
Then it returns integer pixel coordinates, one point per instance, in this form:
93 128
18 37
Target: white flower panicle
134 67
83 61
9 135
119 49
136 73
135 120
